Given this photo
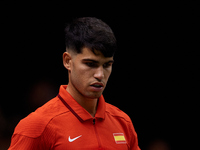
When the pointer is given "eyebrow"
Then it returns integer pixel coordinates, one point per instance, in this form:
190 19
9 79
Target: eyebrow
94 61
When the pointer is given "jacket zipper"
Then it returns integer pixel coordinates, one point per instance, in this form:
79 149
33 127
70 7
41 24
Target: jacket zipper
98 139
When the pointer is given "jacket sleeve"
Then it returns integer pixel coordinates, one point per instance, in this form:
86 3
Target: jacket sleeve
24 142
20 142
134 139
32 133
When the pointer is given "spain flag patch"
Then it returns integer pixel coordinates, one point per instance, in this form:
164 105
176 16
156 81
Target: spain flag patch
119 138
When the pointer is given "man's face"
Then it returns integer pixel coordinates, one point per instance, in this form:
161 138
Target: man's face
89 73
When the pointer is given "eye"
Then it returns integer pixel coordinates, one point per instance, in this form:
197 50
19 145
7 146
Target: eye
91 64
106 65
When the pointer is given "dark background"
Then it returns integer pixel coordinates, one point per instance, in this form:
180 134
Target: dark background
155 77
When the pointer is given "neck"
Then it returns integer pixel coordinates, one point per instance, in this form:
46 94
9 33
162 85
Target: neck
88 104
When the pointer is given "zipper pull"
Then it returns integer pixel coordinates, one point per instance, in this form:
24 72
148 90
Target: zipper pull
94 121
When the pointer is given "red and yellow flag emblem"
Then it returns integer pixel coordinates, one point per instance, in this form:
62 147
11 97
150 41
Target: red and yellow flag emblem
119 138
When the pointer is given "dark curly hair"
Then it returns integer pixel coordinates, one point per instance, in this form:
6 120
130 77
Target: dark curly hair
92 33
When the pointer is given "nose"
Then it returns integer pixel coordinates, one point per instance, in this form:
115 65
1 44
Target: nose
99 73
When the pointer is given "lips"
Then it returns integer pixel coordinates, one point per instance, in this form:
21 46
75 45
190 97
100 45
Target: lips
97 86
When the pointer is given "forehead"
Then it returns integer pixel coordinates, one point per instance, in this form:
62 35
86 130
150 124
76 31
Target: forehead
88 54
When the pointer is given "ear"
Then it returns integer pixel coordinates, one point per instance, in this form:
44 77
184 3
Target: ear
67 60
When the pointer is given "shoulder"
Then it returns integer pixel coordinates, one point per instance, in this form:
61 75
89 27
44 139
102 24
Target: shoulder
34 124
116 112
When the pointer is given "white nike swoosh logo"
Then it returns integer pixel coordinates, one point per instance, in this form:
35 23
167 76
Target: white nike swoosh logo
72 140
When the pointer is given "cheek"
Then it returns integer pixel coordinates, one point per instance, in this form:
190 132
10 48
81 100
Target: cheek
80 75
107 73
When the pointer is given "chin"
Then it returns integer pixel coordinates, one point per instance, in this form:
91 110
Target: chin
94 95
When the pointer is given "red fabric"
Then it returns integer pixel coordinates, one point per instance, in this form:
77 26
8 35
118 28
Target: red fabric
63 124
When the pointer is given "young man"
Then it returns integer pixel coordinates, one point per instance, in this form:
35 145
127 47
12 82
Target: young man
78 117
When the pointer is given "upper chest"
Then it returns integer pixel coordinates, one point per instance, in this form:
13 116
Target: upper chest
109 134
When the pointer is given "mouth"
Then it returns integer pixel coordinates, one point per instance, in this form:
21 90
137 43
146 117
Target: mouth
97 86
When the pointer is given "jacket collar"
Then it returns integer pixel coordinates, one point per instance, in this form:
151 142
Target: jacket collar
77 110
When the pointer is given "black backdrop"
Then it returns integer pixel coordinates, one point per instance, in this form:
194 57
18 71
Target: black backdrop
155 75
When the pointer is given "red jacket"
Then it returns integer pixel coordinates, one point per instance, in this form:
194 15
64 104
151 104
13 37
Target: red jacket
63 124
